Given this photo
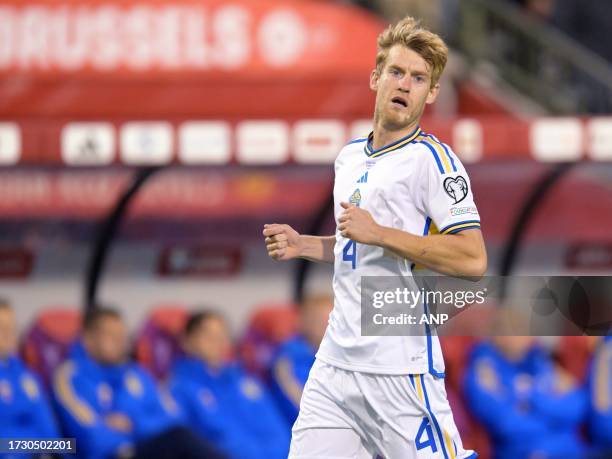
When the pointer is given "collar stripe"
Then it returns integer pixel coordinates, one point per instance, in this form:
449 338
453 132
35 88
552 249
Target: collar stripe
391 147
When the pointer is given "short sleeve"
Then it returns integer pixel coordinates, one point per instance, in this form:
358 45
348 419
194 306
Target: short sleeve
447 193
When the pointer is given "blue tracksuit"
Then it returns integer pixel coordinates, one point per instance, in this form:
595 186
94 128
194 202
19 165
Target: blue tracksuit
86 392
527 407
24 409
230 409
600 386
290 369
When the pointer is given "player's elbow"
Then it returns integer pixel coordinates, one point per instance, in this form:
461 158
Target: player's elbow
478 264
474 263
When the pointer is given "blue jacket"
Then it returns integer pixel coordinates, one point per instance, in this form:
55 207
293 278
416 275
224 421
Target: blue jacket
231 409
86 391
600 387
24 409
527 407
290 369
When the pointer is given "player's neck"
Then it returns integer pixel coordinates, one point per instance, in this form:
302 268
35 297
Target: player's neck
383 136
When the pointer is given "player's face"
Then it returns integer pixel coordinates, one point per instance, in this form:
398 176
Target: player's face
107 341
8 332
514 347
403 88
211 342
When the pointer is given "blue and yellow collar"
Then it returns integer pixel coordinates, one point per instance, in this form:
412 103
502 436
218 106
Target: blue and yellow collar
392 146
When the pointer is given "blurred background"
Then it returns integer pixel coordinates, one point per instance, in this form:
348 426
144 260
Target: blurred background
143 145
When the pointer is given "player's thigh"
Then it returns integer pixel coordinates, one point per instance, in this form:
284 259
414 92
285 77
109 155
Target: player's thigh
429 433
412 418
327 443
321 405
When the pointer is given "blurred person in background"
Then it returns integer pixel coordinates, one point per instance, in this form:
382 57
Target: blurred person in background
225 405
24 409
296 356
112 406
530 407
600 390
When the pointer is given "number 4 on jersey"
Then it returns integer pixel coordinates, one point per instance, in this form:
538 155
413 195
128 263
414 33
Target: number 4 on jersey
349 253
428 441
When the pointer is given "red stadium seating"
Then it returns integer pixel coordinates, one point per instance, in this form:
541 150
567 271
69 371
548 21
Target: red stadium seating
157 345
46 343
269 325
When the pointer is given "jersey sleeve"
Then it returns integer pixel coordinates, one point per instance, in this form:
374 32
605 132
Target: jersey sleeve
447 197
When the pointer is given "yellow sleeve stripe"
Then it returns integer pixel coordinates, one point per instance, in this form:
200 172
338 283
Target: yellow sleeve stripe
602 395
283 372
460 226
440 151
62 384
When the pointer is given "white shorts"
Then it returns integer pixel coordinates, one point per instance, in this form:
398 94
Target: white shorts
347 414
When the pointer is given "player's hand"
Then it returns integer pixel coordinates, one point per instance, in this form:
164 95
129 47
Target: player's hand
282 241
357 224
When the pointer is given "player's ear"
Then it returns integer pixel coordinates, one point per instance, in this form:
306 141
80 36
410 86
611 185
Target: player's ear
374 76
433 93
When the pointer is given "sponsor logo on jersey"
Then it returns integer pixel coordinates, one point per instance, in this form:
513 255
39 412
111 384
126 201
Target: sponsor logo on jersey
455 211
363 178
456 188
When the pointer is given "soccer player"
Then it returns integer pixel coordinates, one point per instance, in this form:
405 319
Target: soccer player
402 198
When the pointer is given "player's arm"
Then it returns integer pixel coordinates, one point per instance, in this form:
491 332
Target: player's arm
284 243
460 254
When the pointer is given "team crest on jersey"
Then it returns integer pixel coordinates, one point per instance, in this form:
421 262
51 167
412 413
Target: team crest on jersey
456 188
105 395
355 198
134 385
207 398
29 387
6 393
250 389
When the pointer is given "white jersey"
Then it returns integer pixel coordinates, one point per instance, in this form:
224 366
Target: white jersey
417 185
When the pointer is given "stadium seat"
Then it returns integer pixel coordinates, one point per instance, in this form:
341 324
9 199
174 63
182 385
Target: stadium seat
268 326
158 344
574 354
46 343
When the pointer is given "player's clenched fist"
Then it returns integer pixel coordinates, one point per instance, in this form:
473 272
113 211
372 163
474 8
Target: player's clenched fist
357 224
282 241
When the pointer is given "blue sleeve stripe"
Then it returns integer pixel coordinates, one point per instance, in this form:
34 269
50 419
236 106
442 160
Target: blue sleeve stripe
445 148
435 155
449 157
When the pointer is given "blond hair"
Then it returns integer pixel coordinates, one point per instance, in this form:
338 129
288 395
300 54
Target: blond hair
409 33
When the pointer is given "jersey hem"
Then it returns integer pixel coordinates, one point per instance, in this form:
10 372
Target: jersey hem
377 369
